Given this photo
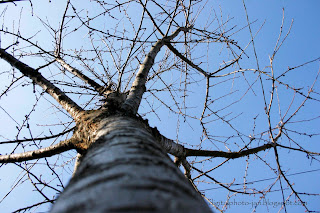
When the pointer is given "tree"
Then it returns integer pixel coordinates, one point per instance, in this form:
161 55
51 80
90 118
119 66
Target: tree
112 71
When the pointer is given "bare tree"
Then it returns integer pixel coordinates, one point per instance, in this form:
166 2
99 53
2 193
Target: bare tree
110 83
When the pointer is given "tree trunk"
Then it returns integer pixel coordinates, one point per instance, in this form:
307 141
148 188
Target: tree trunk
126 170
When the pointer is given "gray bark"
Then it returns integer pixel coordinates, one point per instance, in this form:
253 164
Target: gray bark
138 87
126 170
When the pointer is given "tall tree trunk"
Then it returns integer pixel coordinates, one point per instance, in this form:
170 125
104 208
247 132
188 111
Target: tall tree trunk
126 170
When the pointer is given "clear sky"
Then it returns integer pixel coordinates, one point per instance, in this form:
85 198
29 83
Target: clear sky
302 45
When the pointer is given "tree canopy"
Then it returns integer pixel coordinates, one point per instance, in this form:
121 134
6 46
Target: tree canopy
232 93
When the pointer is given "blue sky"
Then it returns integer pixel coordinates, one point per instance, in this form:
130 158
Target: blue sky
302 45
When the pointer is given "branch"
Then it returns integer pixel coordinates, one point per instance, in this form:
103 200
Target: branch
38 139
100 89
69 105
24 209
72 70
180 151
138 86
9 1
39 153
59 39
172 147
177 53
168 44
299 150
230 155
223 185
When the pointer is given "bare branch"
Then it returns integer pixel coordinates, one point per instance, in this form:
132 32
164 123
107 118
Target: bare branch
39 153
138 86
180 151
33 206
59 40
169 145
189 62
100 89
35 139
9 1
69 105
232 155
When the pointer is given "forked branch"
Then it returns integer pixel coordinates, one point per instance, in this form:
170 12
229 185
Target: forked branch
138 86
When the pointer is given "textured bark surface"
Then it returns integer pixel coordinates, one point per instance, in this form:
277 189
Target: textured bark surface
126 170
138 87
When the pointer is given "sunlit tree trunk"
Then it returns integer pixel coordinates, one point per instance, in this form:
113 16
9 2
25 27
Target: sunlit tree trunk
126 170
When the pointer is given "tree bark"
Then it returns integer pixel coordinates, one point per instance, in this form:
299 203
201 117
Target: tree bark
126 170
